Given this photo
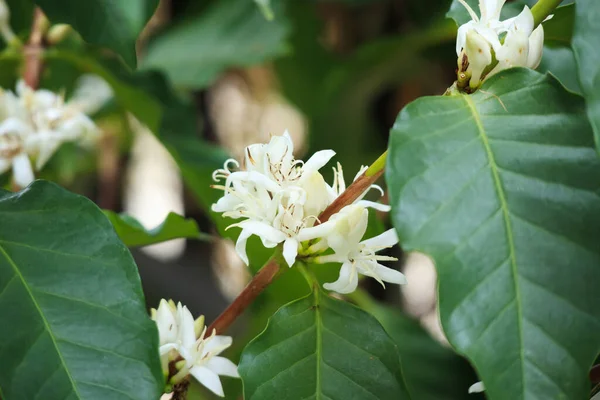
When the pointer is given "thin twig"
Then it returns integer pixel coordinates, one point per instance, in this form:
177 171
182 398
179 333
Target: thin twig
257 285
33 50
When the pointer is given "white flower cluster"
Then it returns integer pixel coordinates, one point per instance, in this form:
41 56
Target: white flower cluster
183 341
34 124
279 199
513 42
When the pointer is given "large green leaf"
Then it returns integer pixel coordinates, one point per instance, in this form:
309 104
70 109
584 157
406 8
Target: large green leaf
231 33
133 233
73 324
431 371
115 24
585 45
321 348
502 189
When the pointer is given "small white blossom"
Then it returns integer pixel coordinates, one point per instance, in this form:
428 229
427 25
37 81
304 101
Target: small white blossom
513 42
34 124
278 197
181 336
357 256
203 362
476 387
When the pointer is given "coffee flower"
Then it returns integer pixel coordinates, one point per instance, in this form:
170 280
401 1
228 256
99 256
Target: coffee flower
183 341
279 199
33 125
356 255
277 196
485 45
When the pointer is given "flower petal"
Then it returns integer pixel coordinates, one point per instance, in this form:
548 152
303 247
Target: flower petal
347 281
477 387
383 273
536 47
290 251
166 348
263 230
314 232
374 205
223 366
240 245
318 160
216 344
22 170
209 379
388 238
187 332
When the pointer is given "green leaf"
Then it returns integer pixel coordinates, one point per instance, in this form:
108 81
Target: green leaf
114 24
231 33
560 61
502 190
322 348
431 371
133 234
72 317
585 45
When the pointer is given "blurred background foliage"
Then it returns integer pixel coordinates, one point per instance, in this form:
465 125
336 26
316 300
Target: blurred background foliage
214 76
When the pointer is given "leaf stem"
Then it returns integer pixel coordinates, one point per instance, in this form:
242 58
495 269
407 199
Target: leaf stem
542 9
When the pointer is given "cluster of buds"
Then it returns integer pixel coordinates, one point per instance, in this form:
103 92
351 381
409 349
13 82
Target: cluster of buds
485 45
184 344
279 199
33 125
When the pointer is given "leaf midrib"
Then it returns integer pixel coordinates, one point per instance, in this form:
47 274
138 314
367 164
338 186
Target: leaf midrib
319 340
506 213
43 317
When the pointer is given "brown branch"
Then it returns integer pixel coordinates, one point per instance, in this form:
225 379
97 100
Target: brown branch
257 285
33 50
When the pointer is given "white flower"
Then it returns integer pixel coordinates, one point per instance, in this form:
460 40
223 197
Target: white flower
357 256
176 326
513 42
279 199
277 196
477 387
34 124
13 134
203 362
180 335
